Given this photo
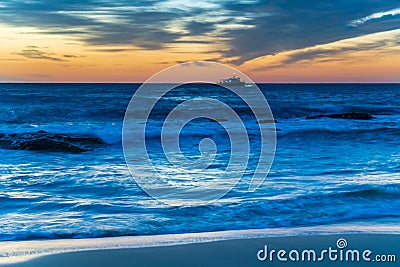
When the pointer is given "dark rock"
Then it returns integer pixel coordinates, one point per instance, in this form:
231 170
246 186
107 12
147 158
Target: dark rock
51 142
267 121
348 116
43 144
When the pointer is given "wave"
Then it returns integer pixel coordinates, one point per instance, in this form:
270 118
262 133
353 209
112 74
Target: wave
103 111
362 204
368 203
392 191
369 192
326 132
111 134
288 111
52 114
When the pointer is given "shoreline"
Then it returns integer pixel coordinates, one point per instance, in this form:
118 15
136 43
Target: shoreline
26 252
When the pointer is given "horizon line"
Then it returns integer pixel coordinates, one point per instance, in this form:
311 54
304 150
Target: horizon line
64 82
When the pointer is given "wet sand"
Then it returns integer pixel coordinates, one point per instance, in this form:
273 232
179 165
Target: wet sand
210 249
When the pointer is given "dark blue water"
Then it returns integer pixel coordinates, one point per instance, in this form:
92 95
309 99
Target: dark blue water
325 171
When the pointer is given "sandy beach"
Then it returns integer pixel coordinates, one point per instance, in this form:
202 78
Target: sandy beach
227 248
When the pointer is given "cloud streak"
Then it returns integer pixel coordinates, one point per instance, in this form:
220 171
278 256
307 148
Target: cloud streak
34 52
375 16
333 52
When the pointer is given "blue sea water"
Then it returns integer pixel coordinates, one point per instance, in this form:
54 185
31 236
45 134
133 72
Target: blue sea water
326 170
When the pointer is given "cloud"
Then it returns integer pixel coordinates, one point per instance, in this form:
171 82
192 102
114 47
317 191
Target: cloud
375 16
96 22
289 25
242 30
70 56
336 51
35 52
323 52
10 59
200 28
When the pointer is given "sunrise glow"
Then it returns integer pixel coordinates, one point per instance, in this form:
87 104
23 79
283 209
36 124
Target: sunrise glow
46 41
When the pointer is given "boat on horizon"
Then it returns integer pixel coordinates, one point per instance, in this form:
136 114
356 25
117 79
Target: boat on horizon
233 81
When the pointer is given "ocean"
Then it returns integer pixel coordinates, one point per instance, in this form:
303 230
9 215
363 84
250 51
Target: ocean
63 172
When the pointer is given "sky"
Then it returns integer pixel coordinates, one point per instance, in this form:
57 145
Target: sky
129 41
